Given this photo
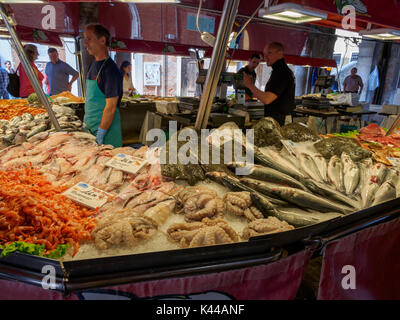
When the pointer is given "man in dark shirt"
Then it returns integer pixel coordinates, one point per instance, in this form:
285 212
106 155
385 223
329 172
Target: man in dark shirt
254 61
104 89
279 95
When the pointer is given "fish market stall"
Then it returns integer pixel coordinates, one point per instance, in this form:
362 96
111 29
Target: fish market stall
121 221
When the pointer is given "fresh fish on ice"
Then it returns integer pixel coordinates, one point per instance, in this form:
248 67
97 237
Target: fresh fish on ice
322 166
297 196
309 167
335 173
272 159
351 174
268 174
386 192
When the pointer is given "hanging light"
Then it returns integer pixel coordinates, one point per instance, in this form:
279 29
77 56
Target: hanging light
291 12
381 34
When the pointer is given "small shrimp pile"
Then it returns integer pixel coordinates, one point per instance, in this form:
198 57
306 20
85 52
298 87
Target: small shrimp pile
12 108
33 211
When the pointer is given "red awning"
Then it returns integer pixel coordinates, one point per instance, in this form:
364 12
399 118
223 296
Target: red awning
155 47
380 13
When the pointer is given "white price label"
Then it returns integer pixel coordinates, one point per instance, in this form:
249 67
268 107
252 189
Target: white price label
290 147
87 195
394 161
127 163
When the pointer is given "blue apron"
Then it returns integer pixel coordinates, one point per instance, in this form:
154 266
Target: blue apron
94 108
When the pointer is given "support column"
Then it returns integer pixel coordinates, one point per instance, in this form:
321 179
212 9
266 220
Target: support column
217 61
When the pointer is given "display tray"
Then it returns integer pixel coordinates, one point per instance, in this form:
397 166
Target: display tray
87 273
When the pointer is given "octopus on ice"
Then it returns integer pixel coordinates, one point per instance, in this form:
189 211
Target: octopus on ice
199 202
126 227
265 226
240 204
205 233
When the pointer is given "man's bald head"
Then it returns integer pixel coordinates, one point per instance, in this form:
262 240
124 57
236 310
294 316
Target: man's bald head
273 52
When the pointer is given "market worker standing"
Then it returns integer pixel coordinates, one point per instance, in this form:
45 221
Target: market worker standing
4 81
25 86
250 70
128 88
103 89
353 83
279 95
58 73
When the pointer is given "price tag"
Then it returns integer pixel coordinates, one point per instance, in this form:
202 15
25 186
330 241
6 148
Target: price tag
127 163
290 147
394 161
87 195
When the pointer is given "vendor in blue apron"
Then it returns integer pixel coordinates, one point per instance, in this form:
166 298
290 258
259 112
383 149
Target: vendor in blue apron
103 89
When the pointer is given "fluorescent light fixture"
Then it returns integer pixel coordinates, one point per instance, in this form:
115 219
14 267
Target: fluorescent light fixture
291 12
5 36
381 34
150 1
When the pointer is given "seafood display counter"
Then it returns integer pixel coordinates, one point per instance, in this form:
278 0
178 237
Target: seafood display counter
182 221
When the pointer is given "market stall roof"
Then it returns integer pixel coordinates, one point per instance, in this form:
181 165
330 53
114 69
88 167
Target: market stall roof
368 11
155 47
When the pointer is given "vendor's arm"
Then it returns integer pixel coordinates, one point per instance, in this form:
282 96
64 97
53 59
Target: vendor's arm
107 118
265 97
108 113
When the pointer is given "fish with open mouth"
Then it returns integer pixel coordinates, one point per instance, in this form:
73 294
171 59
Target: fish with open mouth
297 197
335 173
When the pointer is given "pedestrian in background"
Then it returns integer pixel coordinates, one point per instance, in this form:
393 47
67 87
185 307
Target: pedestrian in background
4 81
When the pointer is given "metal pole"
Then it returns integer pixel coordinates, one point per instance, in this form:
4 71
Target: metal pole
217 62
10 23
394 126
79 61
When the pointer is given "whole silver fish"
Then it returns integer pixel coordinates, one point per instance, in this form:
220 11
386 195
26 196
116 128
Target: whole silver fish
272 159
234 184
268 174
322 166
378 173
335 173
36 130
368 192
386 192
365 165
298 197
301 218
351 174
330 193
309 167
